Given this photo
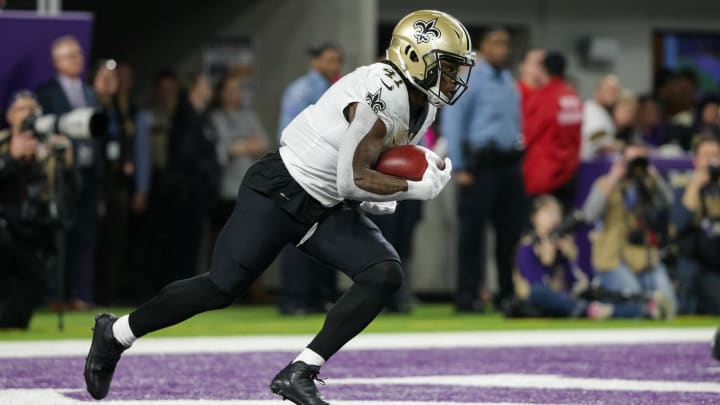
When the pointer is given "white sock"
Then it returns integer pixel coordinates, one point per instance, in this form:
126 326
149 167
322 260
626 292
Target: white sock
309 357
122 332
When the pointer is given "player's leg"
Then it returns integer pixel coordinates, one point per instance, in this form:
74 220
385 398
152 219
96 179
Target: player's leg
250 240
348 241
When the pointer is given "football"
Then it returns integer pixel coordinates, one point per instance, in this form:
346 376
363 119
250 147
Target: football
406 162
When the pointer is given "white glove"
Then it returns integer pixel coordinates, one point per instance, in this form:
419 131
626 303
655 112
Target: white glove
434 179
379 208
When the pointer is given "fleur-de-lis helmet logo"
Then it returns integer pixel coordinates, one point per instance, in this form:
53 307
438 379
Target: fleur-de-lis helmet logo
374 101
426 31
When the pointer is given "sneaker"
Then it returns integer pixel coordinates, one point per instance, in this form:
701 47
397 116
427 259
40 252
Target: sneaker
296 383
104 354
598 310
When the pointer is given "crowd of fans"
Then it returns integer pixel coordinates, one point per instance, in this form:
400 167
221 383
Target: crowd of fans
653 245
133 207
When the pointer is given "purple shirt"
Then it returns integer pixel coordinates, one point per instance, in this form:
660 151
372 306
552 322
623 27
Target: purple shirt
534 272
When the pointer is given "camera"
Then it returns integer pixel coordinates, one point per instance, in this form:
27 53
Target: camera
637 168
80 123
569 224
714 170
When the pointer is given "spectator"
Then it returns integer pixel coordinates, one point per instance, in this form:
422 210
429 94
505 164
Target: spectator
531 76
648 121
153 196
193 175
483 133
304 288
241 140
136 280
695 216
677 94
708 114
125 97
28 187
531 79
548 278
598 129
628 205
61 94
112 257
66 91
624 117
552 134
162 110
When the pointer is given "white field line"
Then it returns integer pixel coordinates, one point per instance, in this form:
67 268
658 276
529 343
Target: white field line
55 397
370 341
538 381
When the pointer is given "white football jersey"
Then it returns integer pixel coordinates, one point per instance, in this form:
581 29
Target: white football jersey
310 143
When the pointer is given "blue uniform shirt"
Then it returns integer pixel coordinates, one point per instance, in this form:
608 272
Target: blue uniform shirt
299 94
489 113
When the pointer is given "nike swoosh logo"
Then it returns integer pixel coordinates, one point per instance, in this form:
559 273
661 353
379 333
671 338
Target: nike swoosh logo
389 87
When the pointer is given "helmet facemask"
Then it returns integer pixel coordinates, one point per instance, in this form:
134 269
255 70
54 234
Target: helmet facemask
439 65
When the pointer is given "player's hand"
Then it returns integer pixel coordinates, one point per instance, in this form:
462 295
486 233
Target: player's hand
379 208
23 146
434 179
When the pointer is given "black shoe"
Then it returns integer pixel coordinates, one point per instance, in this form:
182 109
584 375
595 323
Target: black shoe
716 345
104 354
295 382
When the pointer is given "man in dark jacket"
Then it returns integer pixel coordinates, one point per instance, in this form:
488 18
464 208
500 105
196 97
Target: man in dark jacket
193 174
59 95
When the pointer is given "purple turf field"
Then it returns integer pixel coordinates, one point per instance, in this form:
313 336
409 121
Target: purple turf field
681 373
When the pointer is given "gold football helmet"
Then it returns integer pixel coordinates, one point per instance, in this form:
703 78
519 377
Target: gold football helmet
428 44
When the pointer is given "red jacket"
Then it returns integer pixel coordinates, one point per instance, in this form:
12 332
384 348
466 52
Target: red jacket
552 117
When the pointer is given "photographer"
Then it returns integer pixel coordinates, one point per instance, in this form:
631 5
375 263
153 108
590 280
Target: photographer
547 277
28 211
628 206
696 218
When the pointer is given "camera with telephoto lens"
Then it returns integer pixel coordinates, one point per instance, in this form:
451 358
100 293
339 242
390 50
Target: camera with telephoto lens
80 123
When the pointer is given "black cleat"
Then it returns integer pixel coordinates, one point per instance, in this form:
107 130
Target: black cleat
296 383
104 354
716 345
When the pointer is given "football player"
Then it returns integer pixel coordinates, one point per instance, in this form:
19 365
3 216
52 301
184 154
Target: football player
311 193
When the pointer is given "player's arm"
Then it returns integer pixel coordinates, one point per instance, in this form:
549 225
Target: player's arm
360 148
366 154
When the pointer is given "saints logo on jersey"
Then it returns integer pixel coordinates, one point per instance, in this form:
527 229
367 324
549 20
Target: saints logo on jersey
374 101
426 31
